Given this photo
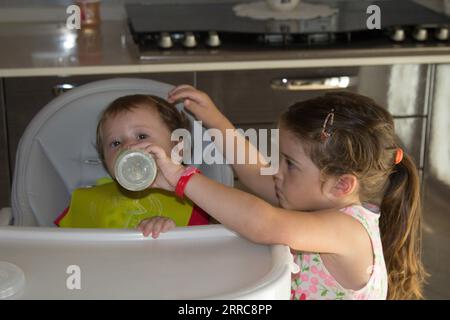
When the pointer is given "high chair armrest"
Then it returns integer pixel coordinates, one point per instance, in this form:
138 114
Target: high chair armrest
5 216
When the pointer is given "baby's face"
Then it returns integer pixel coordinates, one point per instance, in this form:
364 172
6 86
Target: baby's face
129 128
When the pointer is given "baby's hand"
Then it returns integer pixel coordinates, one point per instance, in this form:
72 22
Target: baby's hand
155 225
199 103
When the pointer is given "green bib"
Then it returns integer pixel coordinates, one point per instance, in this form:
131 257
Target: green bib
110 206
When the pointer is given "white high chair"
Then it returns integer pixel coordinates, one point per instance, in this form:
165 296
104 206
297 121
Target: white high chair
57 153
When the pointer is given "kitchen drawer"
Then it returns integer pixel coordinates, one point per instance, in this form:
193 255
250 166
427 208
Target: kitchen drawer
4 161
246 96
26 96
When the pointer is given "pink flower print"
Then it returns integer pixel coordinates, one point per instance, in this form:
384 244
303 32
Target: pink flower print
299 294
306 258
360 296
304 277
314 281
314 270
312 288
323 275
330 283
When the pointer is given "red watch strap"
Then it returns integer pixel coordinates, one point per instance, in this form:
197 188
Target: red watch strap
182 182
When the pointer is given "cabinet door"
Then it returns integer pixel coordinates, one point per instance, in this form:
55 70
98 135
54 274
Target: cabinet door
257 97
26 96
4 161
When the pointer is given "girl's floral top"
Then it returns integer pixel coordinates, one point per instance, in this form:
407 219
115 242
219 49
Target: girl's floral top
313 281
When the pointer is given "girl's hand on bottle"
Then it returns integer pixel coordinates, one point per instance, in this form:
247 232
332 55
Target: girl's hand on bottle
155 225
169 172
199 103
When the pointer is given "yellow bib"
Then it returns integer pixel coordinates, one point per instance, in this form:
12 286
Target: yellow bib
110 206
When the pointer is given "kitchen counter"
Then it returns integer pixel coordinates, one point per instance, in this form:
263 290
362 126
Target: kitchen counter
50 49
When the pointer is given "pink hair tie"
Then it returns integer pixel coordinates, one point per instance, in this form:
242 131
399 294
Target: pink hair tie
398 155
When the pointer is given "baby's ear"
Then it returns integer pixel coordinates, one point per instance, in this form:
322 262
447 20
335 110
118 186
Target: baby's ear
345 185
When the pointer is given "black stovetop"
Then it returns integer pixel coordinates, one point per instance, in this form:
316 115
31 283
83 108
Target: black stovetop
347 25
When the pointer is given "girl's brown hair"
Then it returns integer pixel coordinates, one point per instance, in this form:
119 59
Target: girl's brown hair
362 142
169 114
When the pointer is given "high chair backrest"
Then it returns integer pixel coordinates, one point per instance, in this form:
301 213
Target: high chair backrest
57 152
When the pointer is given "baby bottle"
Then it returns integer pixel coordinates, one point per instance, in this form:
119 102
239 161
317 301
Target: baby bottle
135 170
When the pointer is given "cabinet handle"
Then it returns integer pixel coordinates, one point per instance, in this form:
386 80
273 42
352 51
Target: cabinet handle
61 88
313 84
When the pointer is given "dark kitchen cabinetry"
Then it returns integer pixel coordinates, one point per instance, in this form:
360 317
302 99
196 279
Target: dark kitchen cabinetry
24 97
256 98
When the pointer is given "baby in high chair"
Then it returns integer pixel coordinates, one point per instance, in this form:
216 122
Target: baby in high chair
132 122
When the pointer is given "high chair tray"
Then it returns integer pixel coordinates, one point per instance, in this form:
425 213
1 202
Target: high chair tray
199 262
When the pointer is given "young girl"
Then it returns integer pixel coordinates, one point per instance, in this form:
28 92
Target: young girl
345 198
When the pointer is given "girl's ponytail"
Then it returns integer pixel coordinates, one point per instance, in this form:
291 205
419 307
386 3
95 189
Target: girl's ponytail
400 226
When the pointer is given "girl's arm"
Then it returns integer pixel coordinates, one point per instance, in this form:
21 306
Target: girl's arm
257 220
204 109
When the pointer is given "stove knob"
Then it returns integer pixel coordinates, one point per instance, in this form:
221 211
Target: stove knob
165 41
189 40
420 34
442 33
213 40
398 35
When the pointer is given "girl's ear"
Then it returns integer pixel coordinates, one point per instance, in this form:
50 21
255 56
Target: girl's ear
344 185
